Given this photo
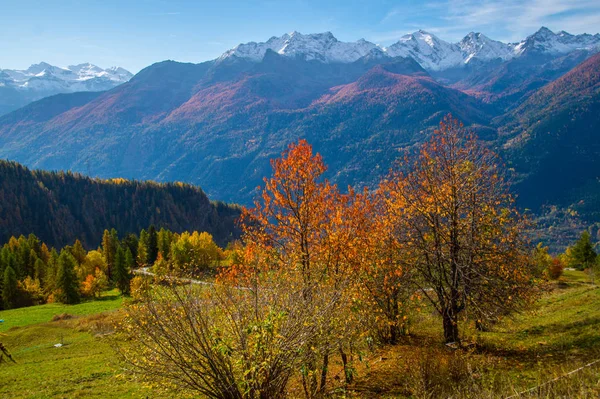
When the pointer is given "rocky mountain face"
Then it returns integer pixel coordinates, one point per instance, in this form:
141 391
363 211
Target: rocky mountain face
20 87
217 124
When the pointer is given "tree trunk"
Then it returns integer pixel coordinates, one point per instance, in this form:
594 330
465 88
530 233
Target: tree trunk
394 334
450 327
324 371
347 372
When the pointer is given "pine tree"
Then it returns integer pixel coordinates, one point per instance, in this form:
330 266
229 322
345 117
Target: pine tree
122 272
152 245
9 288
66 280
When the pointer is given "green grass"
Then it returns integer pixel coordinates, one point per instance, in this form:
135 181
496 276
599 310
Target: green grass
21 317
85 366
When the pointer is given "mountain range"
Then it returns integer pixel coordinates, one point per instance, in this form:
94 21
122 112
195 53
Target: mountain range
20 87
218 123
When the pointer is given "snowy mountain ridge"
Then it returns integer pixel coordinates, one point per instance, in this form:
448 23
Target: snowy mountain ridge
49 78
428 50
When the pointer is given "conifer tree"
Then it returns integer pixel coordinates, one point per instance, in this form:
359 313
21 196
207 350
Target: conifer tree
39 272
78 252
582 253
9 288
152 245
131 242
66 280
108 252
122 272
142 251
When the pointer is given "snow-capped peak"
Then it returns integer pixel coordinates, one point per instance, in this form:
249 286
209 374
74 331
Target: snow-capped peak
323 47
431 52
477 45
49 79
547 42
428 50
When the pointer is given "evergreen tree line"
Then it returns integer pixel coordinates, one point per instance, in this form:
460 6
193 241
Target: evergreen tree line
60 207
33 273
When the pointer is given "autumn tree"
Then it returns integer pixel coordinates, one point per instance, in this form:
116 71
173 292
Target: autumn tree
555 269
464 235
193 253
542 259
93 284
296 231
383 265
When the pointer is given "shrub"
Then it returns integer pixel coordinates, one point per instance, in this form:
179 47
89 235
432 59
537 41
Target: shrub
555 269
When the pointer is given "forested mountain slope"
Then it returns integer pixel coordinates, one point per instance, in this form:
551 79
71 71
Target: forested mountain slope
60 207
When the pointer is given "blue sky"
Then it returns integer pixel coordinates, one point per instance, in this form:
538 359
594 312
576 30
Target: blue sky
135 34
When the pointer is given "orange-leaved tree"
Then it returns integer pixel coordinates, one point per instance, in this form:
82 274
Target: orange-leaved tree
298 233
465 237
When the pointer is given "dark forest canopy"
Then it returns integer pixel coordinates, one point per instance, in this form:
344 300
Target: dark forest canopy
60 207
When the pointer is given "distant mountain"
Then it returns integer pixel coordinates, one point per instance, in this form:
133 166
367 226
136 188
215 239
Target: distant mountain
20 87
217 124
61 207
553 141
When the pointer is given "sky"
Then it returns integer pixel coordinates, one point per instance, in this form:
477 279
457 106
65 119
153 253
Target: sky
135 34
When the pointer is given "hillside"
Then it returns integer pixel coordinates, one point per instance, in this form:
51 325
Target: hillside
60 207
552 141
217 124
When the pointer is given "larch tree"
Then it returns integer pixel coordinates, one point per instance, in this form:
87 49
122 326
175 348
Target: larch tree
463 233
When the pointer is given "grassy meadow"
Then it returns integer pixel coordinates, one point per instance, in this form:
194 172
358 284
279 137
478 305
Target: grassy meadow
559 334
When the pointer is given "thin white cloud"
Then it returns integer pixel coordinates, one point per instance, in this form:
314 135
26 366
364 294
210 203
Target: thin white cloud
170 13
519 18
507 20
